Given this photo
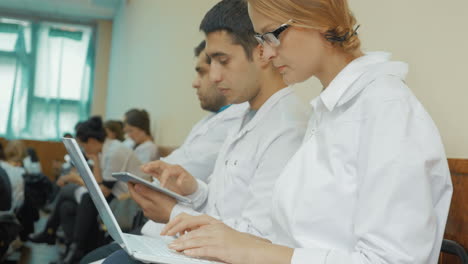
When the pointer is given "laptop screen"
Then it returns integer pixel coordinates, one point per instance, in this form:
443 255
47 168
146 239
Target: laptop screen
94 190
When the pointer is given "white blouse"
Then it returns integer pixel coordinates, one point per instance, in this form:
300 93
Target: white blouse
15 174
147 151
117 157
370 183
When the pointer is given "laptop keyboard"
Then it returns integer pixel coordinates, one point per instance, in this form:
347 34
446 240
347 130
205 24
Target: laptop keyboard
158 247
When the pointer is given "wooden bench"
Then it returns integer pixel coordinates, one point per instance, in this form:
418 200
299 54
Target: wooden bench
47 151
457 222
50 151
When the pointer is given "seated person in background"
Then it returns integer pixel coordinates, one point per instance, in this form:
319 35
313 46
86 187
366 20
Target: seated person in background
200 149
14 153
64 172
30 189
68 172
60 167
114 130
137 127
109 155
31 163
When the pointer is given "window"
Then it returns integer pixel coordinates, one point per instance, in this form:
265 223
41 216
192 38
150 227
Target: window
46 72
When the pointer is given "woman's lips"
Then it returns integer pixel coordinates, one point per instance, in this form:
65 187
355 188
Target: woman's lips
281 68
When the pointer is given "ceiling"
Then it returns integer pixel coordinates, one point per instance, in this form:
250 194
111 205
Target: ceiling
70 9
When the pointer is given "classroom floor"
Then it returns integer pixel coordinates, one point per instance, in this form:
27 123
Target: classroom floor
32 253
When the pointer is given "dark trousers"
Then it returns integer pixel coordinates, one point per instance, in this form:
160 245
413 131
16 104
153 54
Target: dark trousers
107 250
100 253
67 212
120 257
79 221
65 197
86 224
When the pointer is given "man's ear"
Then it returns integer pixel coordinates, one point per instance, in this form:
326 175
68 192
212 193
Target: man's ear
258 56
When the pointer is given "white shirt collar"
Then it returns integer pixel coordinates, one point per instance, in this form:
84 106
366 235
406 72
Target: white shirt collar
265 108
344 80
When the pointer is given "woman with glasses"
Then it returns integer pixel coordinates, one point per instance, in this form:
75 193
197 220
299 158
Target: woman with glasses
370 183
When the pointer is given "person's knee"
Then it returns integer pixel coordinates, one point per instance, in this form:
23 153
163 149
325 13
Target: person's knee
69 188
120 257
100 253
67 209
68 191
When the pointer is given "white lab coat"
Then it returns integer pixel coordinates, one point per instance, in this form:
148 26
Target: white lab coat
370 184
250 160
200 149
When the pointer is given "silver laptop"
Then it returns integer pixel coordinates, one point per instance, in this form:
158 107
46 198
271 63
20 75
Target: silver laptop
146 249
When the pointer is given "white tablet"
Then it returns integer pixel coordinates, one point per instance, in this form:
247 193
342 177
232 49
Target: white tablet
128 177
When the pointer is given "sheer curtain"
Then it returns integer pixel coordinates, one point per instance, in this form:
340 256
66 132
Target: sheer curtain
62 75
14 78
45 86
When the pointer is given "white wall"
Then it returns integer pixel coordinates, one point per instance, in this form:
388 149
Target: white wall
152 64
431 37
103 44
152 60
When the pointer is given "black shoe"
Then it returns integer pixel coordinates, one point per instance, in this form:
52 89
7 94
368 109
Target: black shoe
64 250
74 254
46 236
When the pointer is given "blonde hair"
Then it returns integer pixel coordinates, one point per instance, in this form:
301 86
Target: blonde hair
332 17
15 151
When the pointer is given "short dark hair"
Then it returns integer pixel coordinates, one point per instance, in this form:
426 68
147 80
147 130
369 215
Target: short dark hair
138 118
32 154
233 17
91 128
198 49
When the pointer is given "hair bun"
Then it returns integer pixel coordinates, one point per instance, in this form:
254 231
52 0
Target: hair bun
345 37
95 122
353 42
